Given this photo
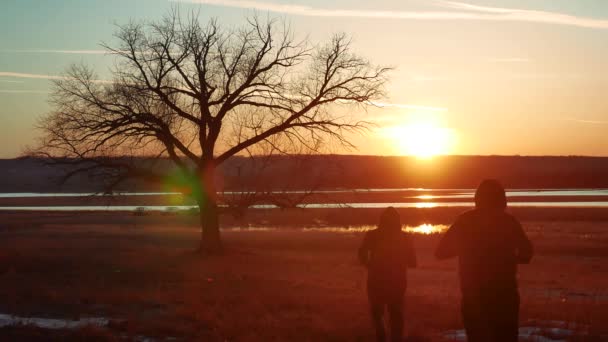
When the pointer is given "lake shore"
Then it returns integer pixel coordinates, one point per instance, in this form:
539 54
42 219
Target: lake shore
142 273
436 197
286 218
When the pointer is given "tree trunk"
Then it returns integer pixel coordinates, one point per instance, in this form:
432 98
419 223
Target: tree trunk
211 242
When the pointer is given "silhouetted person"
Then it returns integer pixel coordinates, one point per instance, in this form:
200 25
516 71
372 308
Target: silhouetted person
387 252
489 244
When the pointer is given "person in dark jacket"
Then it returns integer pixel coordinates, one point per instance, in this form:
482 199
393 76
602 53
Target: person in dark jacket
489 244
387 252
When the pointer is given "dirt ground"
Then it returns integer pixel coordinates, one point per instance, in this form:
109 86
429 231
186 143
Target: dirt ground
272 284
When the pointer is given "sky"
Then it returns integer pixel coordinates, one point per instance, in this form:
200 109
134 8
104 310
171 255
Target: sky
482 77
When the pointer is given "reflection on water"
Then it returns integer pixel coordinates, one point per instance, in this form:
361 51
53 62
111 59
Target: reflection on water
425 197
413 198
426 229
136 208
430 205
251 229
421 205
348 229
52 323
81 194
556 192
419 193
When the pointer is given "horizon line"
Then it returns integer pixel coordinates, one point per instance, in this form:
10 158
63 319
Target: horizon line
379 155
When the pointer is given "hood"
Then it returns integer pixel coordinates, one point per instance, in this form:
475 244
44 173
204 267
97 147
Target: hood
390 220
490 195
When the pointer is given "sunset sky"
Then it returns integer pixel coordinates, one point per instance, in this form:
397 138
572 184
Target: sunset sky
527 77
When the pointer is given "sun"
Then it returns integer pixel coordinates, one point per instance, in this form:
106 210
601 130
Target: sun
422 139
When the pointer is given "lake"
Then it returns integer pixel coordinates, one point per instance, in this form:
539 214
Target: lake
339 198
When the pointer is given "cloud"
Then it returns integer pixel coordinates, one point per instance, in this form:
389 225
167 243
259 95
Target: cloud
12 91
472 7
41 76
595 122
77 52
423 78
544 76
510 60
408 106
11 81
513 14
463 11
25 75
323 12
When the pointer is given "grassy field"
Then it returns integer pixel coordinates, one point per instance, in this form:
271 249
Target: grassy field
286 284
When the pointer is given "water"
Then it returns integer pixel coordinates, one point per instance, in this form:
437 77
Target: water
80 194
425 205
425 229
523 193
52 323
411 198
420 193
101 208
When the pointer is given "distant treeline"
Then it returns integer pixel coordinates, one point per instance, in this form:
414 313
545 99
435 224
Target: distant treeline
341 171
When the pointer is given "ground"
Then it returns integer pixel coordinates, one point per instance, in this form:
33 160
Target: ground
272 284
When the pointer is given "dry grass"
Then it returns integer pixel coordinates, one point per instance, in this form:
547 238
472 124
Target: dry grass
271 285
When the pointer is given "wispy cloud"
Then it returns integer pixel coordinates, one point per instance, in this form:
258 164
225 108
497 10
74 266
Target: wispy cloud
510 60
408 106
41 76
35 76
544 76
325 12
11 81
75 52
373 103
425 78
514 14
15 91
472 7
455 11
595 122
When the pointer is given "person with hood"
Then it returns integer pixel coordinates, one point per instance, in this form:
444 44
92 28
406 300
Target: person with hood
387 252
489 244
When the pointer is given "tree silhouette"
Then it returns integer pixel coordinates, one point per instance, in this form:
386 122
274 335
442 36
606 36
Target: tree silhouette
199 94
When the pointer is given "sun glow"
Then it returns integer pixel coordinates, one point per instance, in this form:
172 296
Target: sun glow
423 138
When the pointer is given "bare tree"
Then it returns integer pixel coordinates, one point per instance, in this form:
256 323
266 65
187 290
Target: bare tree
200 94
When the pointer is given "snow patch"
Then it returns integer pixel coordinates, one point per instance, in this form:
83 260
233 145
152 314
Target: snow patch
527 333
52 323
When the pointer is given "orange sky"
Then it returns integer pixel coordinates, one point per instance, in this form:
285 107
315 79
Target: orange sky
535 84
